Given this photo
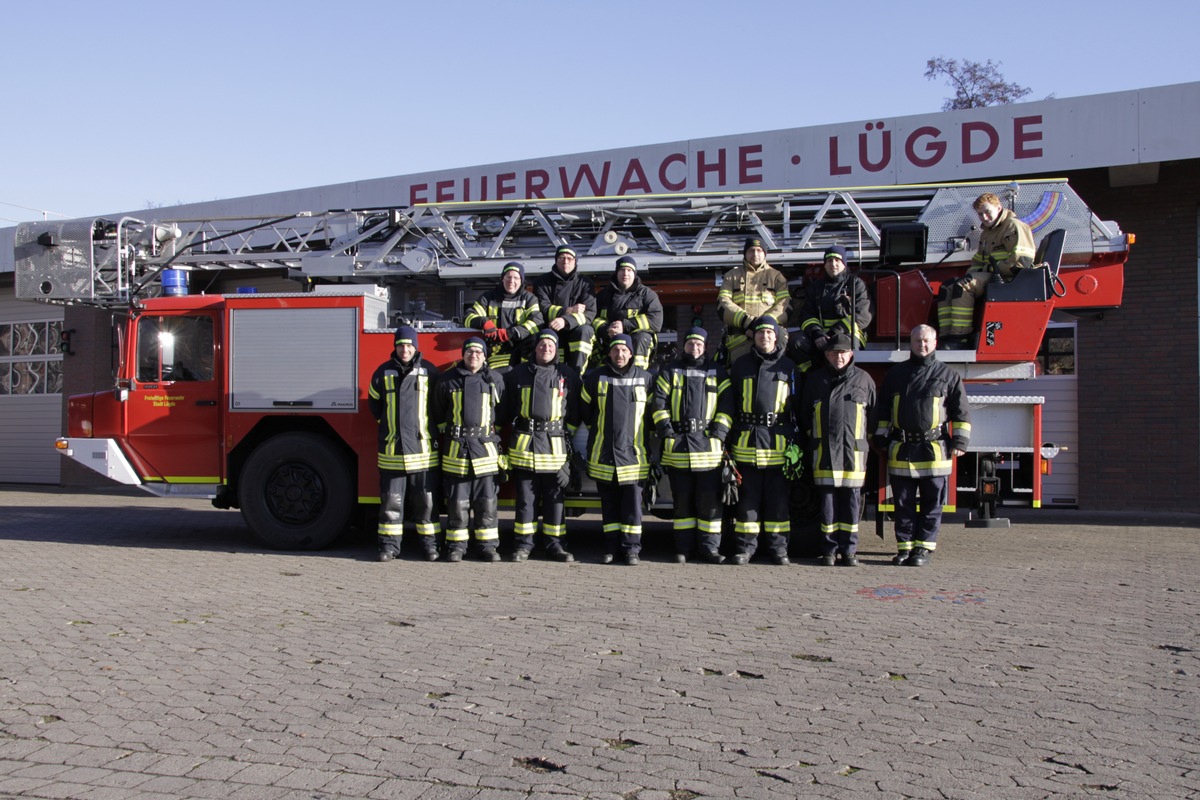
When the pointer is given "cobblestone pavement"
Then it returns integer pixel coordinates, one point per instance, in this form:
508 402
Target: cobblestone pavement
148 649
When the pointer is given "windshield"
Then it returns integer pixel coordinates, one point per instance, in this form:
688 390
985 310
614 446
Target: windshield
175 349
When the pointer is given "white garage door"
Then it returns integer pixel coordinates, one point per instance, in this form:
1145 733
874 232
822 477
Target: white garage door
30 390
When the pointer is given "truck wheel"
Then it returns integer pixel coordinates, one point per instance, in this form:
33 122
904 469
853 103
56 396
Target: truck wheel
296 492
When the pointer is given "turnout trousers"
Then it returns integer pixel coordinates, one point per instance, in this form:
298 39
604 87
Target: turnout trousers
419 490
918 525
763 507
621 510
697 498
840 509
471 506
538 491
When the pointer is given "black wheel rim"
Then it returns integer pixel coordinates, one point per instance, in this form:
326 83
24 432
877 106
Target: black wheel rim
295 494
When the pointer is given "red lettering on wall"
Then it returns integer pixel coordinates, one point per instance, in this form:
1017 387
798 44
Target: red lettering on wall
970 156
505 184
670 185
416 193
885 157
745 163
834 167
702 168
634 178
934 150
536 181
1021 137
571 188
443 191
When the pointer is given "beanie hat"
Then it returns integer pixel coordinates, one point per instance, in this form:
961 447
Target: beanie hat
513 265
697 333
564 250
621 338
548 333
765 321
405 334
839 341
753 242
835 250
627 261
475 342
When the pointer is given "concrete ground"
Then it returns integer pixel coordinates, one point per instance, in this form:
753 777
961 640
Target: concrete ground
150 649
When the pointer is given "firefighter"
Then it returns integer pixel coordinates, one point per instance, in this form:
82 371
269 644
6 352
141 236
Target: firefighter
613 405
836 303
748 291
760 405
835 414
542 395
509 318
630 308
400 397
568 304
692 431
466 402
919 397
1005 247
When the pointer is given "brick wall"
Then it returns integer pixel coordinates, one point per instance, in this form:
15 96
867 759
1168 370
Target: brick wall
1139 387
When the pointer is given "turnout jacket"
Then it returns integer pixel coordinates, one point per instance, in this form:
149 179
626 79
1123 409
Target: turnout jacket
638 307
836 304
686 412
518 314
759 402
1005 247
542 402
465 410
613 406
918 399
836 414
555 292
749 292
400 398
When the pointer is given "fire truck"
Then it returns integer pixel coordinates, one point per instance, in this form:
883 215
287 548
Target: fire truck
257 401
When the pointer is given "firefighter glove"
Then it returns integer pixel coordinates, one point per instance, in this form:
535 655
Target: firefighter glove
502 334
793 462
842 306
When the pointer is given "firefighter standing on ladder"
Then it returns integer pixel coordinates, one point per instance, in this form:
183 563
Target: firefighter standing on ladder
466 402
568 305
1005 248
760 405
918 399
613 406
400 397
509 318
692 430
748 291
543 396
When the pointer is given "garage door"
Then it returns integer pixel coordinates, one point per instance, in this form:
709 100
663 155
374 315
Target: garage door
30 390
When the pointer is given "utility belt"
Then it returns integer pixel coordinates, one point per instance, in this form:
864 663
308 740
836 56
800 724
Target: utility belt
522 425
689 425
931 435
768 420
469 432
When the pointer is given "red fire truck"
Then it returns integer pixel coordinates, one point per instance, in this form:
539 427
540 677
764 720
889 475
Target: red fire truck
258 401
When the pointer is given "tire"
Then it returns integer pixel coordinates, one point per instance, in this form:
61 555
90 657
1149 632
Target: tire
296 492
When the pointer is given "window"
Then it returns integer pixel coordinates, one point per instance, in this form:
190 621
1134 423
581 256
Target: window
175 349
30 362
1057 354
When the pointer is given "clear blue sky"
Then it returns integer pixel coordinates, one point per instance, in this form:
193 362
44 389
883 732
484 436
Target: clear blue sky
113 106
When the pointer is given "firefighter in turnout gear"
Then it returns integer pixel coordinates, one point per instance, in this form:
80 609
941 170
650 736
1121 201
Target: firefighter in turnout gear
836 415
542 395
687 396
1005 247
918 399
748 291
400 397
613 406
628 307
760 406
509 318
466 401
568 305
837 303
